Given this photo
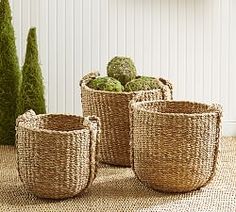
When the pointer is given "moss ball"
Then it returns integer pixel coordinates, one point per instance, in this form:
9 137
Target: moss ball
143 83
122 69
106 84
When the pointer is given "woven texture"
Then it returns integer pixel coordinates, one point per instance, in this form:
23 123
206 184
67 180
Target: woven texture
117 189
56 153
113 110
174 143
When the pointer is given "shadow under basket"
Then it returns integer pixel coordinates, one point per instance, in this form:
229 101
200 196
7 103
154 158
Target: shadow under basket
174 143
113 110
56 153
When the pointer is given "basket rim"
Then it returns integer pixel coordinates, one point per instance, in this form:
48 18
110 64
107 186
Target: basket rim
70 132
215 107
125 93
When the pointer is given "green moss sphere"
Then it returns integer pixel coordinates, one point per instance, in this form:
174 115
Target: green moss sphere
122 69
106 84
142 83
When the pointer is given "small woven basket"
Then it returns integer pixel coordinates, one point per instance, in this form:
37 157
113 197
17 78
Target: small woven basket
56 153
113 110
174 144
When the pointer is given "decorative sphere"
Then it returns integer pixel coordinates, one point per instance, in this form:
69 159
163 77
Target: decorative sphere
122 69
143 83
106 84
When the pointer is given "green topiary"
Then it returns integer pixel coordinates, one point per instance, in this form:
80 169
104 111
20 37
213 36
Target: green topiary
122 69
143 83
106 84
32 89
9 76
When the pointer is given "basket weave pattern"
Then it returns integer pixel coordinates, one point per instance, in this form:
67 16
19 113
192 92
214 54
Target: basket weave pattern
113 110
56 153
174 144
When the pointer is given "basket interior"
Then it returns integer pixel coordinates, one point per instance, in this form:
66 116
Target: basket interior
175 107
60 122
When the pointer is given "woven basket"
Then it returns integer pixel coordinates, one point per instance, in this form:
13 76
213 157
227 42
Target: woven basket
56 153
113 110
174 143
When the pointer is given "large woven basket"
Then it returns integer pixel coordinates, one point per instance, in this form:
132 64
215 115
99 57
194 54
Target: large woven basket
113 110
174 143
56 153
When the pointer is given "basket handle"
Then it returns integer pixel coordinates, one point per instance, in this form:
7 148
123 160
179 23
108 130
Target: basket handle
86 78
166 82
219 111
93 123
28 115
167 89
218 108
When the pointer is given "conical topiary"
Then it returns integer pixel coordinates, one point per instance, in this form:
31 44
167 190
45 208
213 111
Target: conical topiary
9 76
32 89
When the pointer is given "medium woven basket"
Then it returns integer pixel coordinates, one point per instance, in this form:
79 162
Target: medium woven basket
56 153
113 110
174 144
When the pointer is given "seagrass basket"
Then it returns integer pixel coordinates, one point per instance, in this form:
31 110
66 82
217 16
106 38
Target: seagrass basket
113 110
174 144
56 153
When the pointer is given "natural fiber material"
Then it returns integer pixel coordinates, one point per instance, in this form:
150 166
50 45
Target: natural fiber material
9 76
56 153
113 110
118 190
174 144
